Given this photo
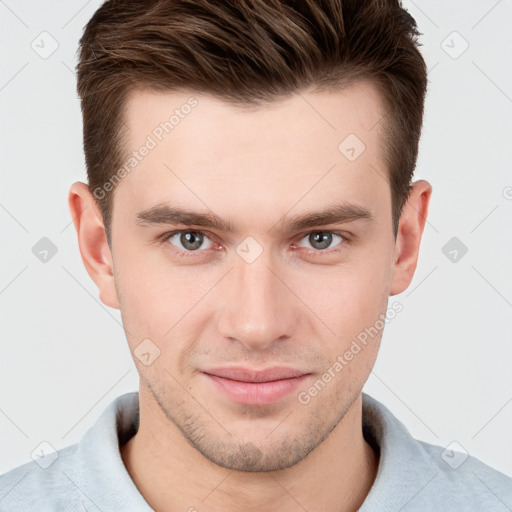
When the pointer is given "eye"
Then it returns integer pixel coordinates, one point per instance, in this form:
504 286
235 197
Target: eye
188 240
322 240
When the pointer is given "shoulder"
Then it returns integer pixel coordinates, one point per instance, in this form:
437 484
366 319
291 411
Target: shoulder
43 485
89 475
466 479
415 476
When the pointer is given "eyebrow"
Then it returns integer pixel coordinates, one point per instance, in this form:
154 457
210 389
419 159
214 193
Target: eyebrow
166 214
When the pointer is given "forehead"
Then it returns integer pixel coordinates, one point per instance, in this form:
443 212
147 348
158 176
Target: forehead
326 115
201 149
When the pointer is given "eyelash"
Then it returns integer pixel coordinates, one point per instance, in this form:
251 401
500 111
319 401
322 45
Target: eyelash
319 252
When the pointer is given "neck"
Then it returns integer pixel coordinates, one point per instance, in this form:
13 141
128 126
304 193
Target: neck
173 475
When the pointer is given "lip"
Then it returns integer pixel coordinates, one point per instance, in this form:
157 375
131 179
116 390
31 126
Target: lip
255 387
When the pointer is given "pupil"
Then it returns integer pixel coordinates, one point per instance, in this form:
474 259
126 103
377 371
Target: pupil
187 239
318 236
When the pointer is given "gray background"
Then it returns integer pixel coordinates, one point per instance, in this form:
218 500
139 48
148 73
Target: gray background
444 365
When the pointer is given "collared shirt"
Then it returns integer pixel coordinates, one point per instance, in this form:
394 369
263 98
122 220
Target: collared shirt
413 476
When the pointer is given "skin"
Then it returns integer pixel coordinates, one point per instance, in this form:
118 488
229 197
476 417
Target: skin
296 305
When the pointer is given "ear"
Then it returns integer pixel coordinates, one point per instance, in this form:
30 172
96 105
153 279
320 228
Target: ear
410 230
92 241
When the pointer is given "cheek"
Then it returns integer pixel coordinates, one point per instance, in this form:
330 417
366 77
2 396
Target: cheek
157 295
350 300
354 291
146 291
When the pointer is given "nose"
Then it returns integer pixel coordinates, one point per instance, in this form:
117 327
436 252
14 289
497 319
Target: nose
258 307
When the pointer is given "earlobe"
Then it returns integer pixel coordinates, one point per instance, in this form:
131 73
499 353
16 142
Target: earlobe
92 241
410 230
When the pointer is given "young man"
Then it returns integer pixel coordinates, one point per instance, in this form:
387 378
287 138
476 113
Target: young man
250 211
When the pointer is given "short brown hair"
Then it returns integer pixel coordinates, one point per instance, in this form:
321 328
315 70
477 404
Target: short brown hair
246 52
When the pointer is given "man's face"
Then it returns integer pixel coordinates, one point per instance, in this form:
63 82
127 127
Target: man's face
265 293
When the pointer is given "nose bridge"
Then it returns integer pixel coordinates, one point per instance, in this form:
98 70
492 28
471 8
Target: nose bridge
259 309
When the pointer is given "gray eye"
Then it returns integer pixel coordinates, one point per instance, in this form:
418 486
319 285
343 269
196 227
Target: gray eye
320 240
189 240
